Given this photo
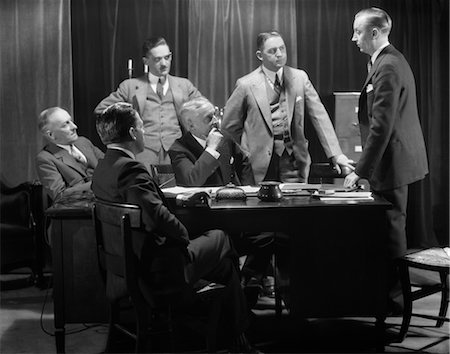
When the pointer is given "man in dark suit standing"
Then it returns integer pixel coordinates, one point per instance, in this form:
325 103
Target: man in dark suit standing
65 165
394 154
205 156
120 178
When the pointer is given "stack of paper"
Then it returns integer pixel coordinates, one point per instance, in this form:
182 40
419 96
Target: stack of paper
344 196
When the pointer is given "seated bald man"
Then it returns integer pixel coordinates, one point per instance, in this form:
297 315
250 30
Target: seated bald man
66 164
205 156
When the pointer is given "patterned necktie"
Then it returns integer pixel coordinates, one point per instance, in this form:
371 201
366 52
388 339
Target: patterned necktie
77 155
160 88
277 85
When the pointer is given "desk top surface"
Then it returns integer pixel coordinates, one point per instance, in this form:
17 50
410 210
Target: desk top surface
82 209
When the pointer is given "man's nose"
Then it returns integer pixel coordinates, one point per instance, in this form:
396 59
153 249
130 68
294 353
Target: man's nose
353 38
74 126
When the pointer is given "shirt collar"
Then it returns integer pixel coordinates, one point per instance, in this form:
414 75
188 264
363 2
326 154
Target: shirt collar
126 151
154 79
271 74
377 52
200 141
65 147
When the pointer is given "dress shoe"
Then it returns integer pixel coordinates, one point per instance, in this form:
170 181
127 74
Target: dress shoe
241 344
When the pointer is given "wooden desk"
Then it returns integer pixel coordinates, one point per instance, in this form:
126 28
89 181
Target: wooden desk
331 256
78 291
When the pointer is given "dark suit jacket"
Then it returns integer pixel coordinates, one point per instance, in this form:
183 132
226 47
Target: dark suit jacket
61 174
120 179
193 166
394 152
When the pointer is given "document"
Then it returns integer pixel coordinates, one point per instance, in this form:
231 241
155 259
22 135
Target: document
332 195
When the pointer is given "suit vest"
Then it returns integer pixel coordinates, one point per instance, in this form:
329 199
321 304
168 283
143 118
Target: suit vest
161 124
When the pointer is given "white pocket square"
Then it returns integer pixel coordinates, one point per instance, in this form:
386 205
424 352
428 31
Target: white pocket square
298 98
369 88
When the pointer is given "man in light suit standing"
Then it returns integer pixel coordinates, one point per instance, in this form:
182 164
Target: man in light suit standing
66 164
265 114
394 153
158 97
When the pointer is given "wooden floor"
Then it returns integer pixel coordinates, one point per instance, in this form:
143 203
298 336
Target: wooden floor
26 326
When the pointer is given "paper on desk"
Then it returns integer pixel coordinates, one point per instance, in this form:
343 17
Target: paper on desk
174 191
344 196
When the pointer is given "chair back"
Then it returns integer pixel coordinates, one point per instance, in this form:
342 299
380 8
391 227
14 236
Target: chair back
130 262
164 175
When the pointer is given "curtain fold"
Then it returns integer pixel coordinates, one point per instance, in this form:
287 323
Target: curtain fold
214 43
106 34
35 73
222 40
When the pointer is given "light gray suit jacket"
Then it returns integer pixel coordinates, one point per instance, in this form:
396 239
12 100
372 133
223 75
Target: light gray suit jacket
61 174
247 118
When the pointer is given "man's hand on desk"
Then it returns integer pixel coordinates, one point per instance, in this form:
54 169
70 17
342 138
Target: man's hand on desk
342 163
351 180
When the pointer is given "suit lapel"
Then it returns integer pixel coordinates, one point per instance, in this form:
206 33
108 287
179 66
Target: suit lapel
177 93
289 92
87 151
142 87
375 65
193 145
258 87
64 156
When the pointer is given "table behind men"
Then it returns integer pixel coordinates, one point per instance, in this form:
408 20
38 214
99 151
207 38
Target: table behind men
78 291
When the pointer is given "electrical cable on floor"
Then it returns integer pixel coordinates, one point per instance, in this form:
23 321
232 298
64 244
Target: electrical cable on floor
41 322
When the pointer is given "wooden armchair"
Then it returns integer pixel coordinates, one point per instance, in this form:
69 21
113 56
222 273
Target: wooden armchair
153 288
22 240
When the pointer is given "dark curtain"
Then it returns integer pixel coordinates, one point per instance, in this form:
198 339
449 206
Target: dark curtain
214 43
107 33
35 73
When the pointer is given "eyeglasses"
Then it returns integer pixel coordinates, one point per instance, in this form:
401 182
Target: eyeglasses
156 60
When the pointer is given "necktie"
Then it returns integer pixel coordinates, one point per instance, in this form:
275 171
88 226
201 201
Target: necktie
369 66
277 86
77 155
159 87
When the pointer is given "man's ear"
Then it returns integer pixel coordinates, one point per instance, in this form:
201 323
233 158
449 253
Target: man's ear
49 135
132 133
375 33
259 55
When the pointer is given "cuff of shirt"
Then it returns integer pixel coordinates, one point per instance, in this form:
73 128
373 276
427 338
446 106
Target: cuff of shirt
213 152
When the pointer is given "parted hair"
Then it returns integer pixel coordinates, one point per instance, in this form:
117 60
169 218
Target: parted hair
377 18
114 124
264 36
151 43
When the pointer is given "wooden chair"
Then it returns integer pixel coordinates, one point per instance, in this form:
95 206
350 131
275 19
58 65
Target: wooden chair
158 303
433 259
22 240
164 175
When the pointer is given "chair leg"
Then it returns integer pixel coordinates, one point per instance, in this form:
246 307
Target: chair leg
112 331
142 325
444 298
407 298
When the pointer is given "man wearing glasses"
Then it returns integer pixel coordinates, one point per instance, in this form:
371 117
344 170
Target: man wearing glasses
157 96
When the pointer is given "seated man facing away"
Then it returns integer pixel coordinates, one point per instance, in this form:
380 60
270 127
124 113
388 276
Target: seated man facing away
204 156
120 178
66 164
